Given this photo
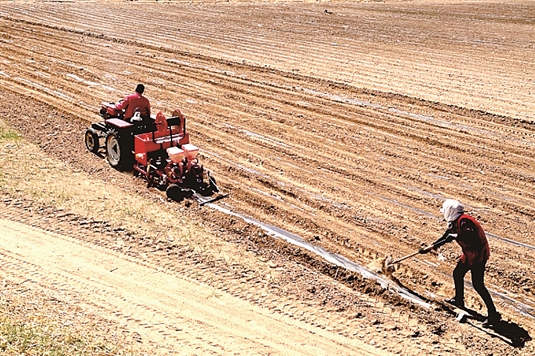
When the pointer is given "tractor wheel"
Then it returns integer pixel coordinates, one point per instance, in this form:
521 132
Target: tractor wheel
91 140
117 152
174 192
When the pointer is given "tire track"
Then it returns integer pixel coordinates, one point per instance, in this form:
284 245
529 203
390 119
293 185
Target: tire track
363 28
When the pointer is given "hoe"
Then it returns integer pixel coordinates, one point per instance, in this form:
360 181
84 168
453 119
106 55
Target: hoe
389 264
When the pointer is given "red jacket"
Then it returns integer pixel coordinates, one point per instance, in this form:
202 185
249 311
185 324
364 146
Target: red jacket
133 102
472 239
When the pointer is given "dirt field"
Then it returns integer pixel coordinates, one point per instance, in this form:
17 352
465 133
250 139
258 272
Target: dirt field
345 124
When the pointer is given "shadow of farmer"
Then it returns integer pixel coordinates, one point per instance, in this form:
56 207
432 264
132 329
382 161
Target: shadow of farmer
507 331
517 335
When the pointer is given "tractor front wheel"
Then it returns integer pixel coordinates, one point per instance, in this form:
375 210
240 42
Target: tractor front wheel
91 140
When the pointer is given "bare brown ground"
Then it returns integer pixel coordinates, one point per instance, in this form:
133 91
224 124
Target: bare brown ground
344 123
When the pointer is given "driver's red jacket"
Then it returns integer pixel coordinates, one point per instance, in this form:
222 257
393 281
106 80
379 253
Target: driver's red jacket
133 102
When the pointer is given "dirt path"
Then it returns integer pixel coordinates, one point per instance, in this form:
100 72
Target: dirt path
173 312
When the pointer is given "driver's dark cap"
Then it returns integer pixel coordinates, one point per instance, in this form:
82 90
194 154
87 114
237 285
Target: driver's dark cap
140 88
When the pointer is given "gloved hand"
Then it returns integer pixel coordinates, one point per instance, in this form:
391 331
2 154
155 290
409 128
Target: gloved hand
450 237
136 117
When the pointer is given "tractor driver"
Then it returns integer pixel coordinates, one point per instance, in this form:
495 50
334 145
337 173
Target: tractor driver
135 102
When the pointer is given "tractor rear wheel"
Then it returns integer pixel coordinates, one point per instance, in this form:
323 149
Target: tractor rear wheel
91 140
117 152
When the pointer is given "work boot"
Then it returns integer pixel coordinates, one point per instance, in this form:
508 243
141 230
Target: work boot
492 320
454 301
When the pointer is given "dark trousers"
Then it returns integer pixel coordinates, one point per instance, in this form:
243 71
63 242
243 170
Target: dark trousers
478 273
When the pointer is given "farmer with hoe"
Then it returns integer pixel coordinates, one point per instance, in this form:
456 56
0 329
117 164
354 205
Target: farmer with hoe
469 234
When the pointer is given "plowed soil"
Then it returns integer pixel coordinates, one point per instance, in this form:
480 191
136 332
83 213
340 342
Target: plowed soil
346 124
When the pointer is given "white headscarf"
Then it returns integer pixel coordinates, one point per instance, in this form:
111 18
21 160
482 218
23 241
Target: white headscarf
451 209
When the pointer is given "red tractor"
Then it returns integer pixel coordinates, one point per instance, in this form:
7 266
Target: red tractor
156 148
